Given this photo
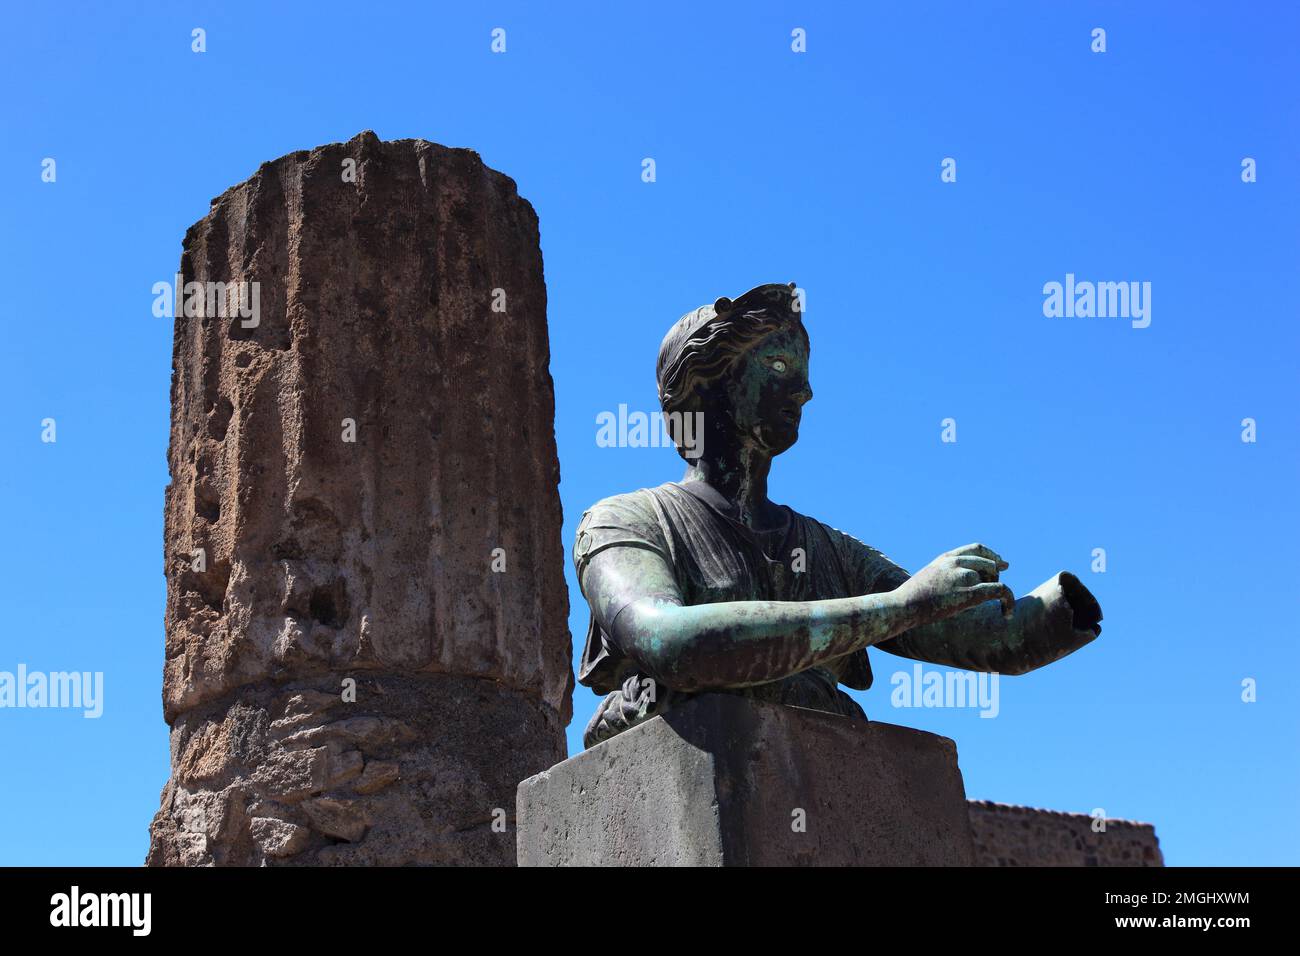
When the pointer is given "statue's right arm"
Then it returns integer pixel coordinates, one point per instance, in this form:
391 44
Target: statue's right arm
635 598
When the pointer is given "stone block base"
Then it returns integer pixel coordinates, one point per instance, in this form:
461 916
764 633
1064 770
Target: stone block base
724 781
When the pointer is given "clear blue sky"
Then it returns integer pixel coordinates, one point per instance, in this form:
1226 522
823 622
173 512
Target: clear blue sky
924 302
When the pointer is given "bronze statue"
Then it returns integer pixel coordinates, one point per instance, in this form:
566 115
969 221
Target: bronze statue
707 585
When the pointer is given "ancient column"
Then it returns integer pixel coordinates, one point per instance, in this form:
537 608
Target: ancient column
367 643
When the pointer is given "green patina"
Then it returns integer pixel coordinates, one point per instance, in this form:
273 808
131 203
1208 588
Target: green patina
698 585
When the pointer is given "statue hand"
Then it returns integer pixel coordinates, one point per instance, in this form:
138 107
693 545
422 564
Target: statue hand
954 581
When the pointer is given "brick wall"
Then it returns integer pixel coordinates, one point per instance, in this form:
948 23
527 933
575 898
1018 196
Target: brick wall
1007 835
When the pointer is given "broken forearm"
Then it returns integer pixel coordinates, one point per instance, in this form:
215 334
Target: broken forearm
1055 619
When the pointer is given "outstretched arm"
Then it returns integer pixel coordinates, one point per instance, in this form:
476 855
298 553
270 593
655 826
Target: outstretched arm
739 643
1055 619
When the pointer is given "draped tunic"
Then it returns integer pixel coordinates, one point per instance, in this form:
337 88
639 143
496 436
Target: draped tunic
713 557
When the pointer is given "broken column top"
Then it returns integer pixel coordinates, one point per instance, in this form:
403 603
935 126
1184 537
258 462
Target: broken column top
367 639
369 465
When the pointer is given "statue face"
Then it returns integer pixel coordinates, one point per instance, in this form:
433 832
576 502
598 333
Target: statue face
766 389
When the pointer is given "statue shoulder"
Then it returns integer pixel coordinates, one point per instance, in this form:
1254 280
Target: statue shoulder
635 507
874 570
840 538
629 519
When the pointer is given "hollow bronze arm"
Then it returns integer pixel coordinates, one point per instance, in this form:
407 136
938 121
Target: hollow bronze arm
1055 619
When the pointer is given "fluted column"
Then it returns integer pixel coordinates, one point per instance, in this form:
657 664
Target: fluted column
367 642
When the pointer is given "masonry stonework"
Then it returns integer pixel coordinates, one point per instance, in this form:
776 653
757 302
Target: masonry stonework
1008 835
366 621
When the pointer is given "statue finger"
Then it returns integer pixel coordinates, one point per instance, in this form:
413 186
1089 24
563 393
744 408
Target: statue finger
986 568
981 551
995 592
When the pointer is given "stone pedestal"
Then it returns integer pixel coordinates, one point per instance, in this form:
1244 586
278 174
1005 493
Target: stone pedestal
724 781
367 643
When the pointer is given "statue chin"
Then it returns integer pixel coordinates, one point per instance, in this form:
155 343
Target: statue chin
775 439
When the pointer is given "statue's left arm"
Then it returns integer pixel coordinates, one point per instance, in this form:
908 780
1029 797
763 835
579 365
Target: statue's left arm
1055 619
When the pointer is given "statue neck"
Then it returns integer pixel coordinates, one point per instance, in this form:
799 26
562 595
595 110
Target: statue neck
740 476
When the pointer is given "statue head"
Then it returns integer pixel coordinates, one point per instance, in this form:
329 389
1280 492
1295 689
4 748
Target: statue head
742 364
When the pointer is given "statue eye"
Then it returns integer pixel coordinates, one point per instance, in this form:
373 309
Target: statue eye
779 365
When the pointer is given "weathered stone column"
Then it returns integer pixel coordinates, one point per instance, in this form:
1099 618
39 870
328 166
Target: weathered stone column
367 643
